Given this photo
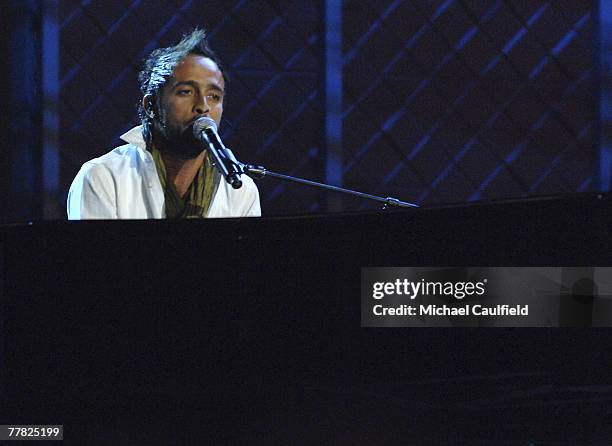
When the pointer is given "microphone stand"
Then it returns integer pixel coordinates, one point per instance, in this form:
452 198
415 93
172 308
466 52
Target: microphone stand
258 172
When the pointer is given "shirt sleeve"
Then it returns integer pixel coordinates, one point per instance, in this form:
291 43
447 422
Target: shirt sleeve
92 194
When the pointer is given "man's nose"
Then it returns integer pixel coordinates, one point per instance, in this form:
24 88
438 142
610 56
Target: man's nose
201 106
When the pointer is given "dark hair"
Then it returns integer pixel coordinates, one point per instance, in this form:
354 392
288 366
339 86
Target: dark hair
160 64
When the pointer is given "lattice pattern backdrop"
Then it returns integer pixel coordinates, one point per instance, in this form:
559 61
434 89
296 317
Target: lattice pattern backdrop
444 101
452 101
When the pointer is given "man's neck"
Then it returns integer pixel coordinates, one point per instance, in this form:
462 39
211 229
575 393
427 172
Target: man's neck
182 171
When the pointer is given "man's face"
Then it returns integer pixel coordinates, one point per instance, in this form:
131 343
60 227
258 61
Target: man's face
195 89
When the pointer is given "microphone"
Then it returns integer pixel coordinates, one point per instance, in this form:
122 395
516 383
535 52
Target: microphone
205 130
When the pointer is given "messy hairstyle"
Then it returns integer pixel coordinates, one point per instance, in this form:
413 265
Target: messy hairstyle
160 64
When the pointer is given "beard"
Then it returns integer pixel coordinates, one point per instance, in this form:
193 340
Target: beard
175 138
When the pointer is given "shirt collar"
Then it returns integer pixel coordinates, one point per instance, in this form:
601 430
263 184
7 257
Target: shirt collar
134 136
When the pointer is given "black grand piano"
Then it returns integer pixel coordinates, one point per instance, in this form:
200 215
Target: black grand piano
247 331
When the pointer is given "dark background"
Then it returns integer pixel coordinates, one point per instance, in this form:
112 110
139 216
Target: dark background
435 101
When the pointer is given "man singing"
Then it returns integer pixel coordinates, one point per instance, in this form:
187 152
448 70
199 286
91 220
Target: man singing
163 172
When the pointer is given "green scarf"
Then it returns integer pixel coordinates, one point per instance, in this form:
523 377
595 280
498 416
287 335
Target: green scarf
195 203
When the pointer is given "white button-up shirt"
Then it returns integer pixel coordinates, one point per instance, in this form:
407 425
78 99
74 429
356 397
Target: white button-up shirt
123 184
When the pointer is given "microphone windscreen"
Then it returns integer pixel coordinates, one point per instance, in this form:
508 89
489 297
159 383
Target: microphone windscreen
202 124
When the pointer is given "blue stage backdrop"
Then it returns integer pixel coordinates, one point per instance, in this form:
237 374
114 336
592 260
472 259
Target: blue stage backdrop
429 101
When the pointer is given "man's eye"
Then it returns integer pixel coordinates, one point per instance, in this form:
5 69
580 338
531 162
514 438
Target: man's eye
215 97
183 92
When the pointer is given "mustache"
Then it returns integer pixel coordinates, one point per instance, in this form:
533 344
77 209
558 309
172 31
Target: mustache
186 132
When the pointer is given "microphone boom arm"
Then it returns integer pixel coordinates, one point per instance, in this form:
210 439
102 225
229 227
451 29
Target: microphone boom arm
205 129
258 172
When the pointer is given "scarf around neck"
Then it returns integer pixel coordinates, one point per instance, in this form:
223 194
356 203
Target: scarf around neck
197 199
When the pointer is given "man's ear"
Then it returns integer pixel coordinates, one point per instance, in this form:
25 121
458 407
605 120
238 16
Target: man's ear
148 103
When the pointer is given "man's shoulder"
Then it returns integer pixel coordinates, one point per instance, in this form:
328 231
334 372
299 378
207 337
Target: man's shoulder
118 155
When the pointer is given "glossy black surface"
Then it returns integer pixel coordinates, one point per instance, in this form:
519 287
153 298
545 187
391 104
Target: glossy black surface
237 331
